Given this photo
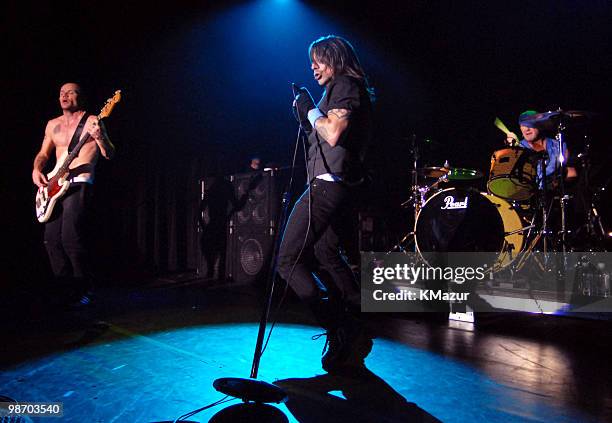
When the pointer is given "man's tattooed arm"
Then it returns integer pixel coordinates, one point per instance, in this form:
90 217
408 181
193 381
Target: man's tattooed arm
330 128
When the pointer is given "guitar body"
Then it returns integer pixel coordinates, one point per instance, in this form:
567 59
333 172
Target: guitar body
47 197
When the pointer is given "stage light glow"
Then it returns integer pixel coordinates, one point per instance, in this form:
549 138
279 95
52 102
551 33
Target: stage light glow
182 363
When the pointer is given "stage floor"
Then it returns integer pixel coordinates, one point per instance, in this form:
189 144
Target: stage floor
150 353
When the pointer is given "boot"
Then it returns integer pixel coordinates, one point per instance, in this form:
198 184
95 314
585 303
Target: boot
348 345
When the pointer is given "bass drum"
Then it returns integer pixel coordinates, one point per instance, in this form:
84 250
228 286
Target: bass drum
455 220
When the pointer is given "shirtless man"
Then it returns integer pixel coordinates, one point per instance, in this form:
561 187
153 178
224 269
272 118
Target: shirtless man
65 234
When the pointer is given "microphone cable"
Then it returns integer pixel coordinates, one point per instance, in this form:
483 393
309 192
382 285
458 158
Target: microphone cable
300 132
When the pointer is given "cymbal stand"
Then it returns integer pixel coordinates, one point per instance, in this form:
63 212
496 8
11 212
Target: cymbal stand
560 138
586 167
418 200
540 234
543 204
416 193
601 233
594 227
415 198
561 259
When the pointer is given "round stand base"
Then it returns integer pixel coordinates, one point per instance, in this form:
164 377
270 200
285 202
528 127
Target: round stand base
250 390
249 413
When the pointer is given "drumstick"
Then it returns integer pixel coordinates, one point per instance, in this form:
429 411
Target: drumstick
500 125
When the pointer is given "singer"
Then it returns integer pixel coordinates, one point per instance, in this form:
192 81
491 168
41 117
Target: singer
310 260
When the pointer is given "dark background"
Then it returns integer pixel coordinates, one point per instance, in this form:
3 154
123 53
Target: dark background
204 87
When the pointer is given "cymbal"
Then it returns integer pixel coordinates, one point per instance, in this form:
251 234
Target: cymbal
549 120
462 174
579 114
432 172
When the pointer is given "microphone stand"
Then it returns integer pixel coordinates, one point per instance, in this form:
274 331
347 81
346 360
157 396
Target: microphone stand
251 390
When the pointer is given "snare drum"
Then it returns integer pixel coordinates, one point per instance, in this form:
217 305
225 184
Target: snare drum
513 173
456 220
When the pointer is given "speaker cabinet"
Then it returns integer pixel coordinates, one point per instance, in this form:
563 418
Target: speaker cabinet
252 225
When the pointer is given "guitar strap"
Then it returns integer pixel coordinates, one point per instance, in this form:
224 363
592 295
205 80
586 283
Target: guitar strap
77 134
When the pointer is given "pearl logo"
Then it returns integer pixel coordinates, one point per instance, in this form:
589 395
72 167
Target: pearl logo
451 204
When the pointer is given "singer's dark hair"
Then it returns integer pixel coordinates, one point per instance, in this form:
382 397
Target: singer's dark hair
338 53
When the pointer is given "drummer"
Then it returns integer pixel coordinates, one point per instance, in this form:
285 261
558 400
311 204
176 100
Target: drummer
535 139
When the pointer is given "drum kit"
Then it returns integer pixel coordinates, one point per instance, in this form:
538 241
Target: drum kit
513 217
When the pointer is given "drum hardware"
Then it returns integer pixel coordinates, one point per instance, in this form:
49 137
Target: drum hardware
564 231
416 192
592 227
526 228
407 202
520 263
463 174
592 224
401 246
416 198
542 234
558 121
560 137
419 191
591 279
593 217
433 171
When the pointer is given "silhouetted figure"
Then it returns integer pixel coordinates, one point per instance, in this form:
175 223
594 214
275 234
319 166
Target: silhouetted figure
215 209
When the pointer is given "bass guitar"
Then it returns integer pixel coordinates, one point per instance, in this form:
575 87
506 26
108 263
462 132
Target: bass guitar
48 196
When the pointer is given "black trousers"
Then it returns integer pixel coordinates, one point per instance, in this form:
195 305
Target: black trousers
320 270
66 234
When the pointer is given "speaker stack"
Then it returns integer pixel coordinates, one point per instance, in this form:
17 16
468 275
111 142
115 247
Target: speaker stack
252 225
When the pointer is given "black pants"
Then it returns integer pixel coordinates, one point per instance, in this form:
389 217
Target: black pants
66 234
330 211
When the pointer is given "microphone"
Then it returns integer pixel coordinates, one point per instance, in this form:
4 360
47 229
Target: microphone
295 89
